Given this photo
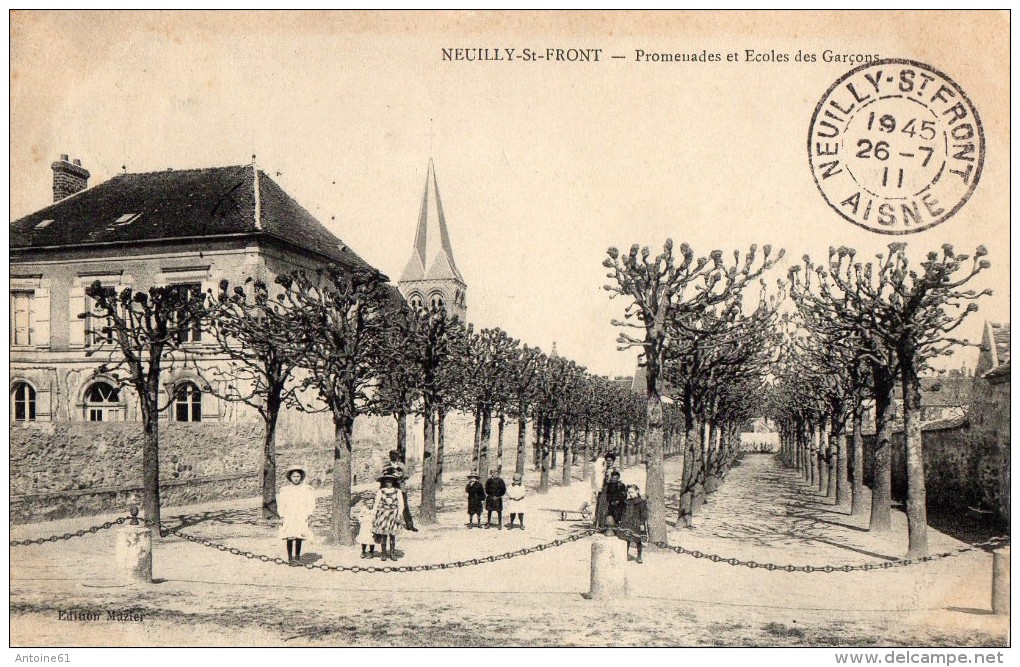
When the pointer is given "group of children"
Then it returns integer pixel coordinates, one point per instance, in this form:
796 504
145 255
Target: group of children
492 495
619 508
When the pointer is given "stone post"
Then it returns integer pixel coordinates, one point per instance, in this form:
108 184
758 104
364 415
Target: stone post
134 550
1000 581
608 577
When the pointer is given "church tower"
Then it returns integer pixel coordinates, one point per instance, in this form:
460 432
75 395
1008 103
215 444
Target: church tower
431 276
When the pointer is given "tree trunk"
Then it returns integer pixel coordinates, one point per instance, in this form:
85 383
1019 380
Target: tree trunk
842 481
568 435
401 418
832 455
476 452
340 519
857 504
587 452
655 478
823 458
699 466
543 482
536 455
522 443
441 449
881 487
269 509
150 463
429 468
917 513
499 443
686 516
554 447
483 445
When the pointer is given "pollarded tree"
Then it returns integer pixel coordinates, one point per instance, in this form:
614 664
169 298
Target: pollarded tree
258 336
398 392
140 331
657 290
342 319
525 368
914 313
437 355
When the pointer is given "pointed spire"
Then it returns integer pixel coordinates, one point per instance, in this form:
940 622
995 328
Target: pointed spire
430 220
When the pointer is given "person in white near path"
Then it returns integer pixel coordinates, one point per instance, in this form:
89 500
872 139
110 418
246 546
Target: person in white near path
295 504
515 500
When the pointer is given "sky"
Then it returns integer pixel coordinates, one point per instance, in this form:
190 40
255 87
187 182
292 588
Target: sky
541 165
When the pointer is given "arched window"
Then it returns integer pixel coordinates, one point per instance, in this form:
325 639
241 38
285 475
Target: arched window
102 403
436 301
22 402
188 403
416 301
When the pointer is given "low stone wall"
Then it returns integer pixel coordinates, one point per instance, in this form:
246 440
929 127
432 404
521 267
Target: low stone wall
955 468
61 469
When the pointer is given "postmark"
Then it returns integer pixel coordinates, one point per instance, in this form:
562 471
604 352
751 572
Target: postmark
896 146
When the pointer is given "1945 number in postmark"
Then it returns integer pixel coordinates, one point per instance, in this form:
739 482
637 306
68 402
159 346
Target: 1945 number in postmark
896 146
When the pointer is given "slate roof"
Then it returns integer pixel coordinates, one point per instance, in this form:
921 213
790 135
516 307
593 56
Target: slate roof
946 391
1000 333
432 258
178 205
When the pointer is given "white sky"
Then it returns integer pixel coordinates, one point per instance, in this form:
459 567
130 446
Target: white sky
541 166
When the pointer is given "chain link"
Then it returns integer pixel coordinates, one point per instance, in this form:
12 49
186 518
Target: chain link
373 569
828 569
68 536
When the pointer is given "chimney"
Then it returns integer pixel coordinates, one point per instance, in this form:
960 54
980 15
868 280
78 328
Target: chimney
68 178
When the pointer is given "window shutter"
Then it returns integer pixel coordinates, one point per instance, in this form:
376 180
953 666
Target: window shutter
77 324
40 317
210 405
43 404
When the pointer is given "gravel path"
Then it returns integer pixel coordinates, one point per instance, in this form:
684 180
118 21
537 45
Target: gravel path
764 512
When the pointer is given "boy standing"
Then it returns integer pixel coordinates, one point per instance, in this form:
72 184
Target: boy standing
476 496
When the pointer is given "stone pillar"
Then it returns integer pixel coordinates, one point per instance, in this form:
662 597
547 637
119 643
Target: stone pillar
1000 581
134 550
608 577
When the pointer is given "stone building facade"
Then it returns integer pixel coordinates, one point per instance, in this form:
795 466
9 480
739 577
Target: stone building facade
75 435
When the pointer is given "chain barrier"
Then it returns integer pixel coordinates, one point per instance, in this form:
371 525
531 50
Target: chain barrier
371 568
828 569
68 536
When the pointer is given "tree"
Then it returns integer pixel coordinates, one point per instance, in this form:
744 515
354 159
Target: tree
341 319
259 338
913 313
657 290
525 368
434 346
141 330
398 392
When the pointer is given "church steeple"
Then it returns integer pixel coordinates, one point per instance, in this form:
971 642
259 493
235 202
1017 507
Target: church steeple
431 274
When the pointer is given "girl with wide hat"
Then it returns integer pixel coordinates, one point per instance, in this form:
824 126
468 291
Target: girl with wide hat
389 510
295 504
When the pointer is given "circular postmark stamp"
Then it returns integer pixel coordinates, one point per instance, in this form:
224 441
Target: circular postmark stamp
896 146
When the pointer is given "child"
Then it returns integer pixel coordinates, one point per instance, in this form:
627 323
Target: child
365 537
295 504
389 507
495 489
476 496
515 500
634 520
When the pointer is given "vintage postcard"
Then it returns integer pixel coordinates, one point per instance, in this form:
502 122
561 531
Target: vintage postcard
510 329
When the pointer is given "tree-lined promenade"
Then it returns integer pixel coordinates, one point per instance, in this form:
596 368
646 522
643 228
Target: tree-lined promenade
718 347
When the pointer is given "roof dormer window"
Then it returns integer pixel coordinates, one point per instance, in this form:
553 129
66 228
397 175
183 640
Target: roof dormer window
126 219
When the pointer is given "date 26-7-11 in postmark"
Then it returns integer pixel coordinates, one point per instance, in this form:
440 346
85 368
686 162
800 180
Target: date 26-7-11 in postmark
896 147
